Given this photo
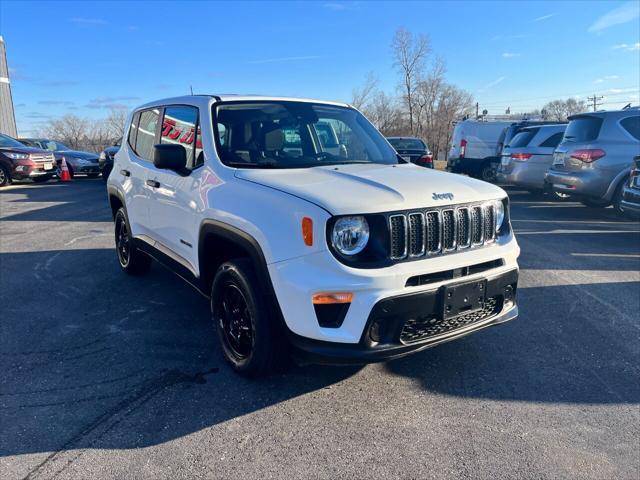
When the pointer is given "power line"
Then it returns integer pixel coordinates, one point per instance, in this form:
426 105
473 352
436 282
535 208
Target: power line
595 101
608 92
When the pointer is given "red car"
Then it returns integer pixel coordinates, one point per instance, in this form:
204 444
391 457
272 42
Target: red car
18 162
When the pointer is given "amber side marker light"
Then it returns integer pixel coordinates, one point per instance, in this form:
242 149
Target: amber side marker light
332 298
307 231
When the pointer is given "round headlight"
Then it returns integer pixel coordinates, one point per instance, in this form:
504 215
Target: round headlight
499 206
350 235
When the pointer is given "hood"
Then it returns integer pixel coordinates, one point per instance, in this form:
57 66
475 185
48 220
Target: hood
79 154
37 151
375 188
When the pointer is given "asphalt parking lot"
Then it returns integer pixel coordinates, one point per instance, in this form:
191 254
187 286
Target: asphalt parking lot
108 375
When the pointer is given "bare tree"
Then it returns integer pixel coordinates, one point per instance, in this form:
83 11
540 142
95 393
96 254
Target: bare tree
361 96
115 123
560 110
409 55
70 129
385 113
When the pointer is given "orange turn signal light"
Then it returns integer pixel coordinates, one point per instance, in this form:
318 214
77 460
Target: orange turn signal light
307 231
332 298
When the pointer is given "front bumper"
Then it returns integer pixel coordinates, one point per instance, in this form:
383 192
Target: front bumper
631 200
91 168
396 324
586 182
32 171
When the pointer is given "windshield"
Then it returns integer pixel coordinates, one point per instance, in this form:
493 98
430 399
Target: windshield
8 142
279 134
53 146
523 138
407 143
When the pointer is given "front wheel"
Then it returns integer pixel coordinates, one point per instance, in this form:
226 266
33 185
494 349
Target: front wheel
488 172
242 316
131 259
5 176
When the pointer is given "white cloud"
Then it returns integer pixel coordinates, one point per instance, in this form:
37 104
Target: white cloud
629 47
605 78
87 22
622 90
544 17
492 84
624 13
285 59
510 55
335 6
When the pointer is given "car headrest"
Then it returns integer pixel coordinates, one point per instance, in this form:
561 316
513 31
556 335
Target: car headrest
274 140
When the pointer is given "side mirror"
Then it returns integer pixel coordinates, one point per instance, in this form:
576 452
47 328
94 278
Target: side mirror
170 157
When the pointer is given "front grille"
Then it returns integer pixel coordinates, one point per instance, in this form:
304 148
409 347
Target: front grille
424 327
445 230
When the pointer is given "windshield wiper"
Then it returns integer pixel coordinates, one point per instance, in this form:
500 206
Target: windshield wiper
255 165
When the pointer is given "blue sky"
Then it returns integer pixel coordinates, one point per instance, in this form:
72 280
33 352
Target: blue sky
83 57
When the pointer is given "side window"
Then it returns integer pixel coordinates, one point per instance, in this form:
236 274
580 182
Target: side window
179 127
146 136
553 141
632 125
133 130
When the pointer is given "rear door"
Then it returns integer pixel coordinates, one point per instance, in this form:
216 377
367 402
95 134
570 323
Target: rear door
134 171
172 207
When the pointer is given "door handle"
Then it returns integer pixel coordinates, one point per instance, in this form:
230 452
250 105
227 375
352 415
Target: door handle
126 173
153 183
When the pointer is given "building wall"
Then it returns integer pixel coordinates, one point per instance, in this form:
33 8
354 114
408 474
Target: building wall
7 115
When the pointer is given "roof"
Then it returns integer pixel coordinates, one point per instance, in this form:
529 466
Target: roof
200 99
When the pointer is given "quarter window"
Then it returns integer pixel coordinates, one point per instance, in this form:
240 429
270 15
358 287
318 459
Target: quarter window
133 130
553 141
632 125
179 128
146 136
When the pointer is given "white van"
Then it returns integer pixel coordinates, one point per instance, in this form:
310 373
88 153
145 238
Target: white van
475 148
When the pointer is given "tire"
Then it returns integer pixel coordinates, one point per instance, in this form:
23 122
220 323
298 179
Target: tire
132 261
488 172
5 176
242 315
42 179
593 203
616 200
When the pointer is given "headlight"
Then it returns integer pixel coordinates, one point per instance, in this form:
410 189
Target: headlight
102 156
499 207
350 235
17 156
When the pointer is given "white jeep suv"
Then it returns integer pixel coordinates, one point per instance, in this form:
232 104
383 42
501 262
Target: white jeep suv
307 231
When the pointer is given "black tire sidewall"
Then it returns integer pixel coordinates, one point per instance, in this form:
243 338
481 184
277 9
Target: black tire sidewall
139 262
240 272
7 176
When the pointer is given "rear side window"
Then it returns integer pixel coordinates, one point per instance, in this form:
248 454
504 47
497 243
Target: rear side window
632 125
553 141
583 129
133 130
523 138
179 127
146 136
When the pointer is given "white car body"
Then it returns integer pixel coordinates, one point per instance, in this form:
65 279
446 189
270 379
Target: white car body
267 206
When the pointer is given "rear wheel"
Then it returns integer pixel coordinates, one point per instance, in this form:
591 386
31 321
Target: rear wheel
488 172
242 316
5 176
593 203
131 259
616 201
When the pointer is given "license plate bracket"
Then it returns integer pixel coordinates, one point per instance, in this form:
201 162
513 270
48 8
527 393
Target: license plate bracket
463 297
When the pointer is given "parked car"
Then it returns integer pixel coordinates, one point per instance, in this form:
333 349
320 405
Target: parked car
528 156
84 163
414 150
517 127
19 162
592 161
105 160
345 257
475 148
630 204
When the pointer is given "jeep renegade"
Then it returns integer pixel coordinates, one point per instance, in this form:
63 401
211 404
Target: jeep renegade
307 231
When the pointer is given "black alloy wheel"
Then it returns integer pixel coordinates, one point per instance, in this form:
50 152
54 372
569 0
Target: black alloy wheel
235 321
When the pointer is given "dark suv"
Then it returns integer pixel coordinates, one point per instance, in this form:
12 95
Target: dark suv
19 162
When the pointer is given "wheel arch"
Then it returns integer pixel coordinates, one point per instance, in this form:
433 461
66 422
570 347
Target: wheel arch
116 200
618 180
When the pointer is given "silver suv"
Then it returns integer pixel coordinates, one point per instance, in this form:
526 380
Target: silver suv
592 162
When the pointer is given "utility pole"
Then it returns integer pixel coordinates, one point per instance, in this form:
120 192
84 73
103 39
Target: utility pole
477 109
595 99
